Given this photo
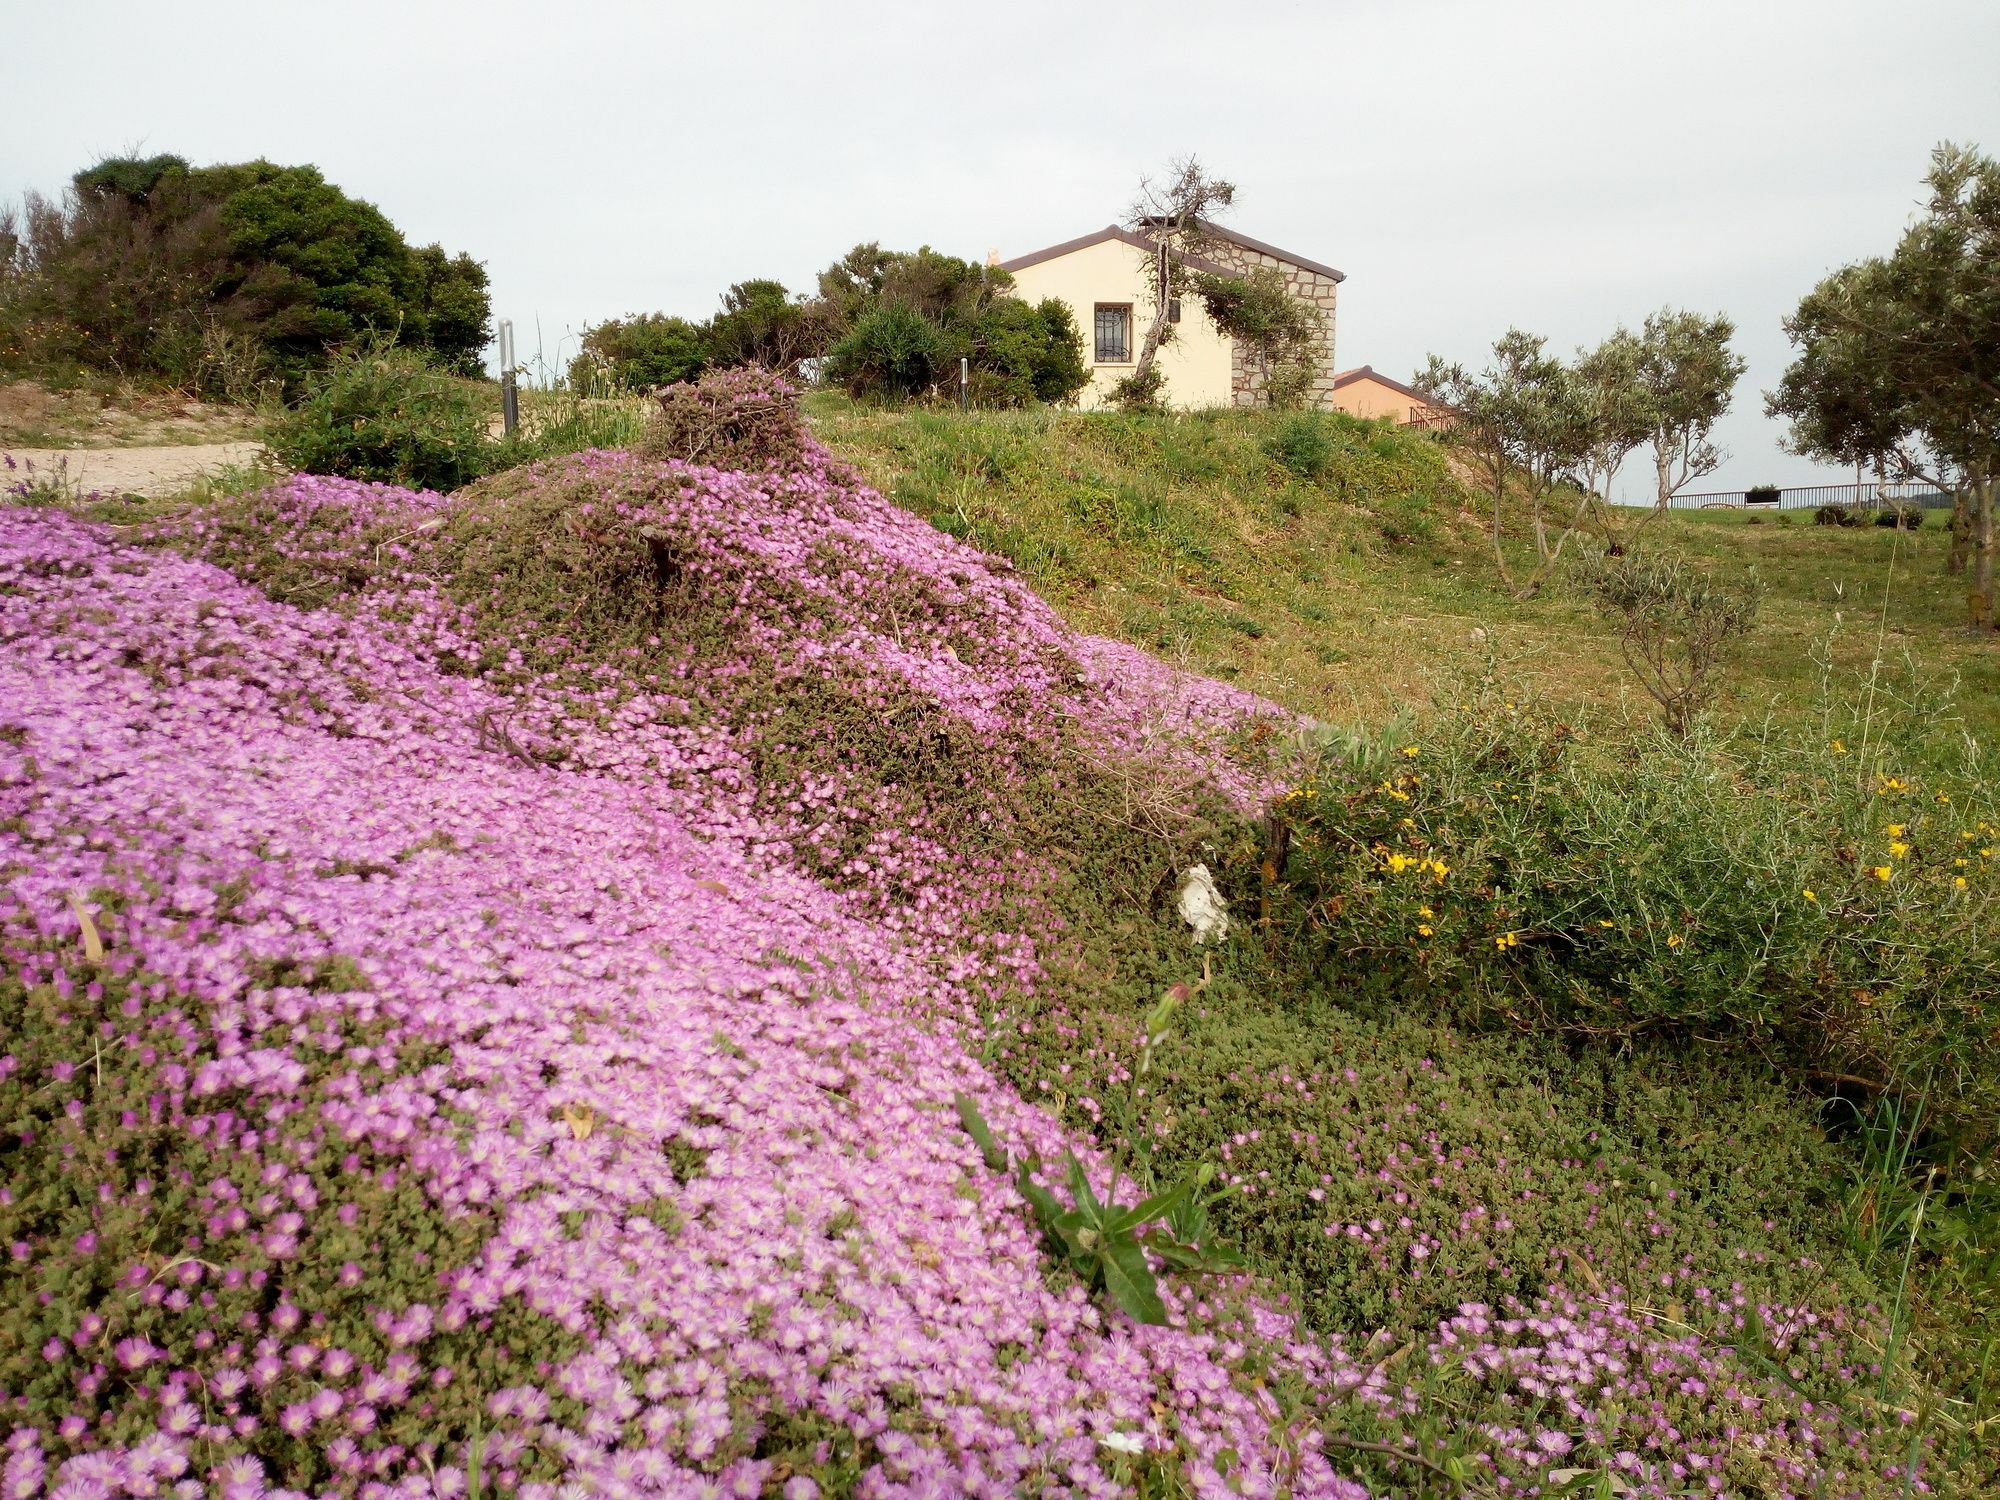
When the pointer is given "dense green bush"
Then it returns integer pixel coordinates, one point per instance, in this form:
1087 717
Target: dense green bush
1838 913
895 352
641 352
217 277
387 414
1025 353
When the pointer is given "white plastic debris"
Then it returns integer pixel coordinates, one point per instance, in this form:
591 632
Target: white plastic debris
1201 905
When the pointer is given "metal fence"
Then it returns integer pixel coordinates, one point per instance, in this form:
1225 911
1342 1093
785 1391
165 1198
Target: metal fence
1864 496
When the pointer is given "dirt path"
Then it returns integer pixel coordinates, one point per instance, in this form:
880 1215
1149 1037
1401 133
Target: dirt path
123 471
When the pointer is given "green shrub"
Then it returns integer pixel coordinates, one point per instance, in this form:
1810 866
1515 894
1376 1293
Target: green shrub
892 351
1304 443
1836 515
1023 353
641 352
1675 623
1137 392
1840 916
1280 330
386 414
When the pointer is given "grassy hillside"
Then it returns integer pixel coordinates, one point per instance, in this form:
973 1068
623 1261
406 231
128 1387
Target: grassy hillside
1339 567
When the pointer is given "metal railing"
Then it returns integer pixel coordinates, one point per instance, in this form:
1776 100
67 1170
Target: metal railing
1864 496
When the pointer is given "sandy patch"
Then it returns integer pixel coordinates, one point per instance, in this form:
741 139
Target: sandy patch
123 471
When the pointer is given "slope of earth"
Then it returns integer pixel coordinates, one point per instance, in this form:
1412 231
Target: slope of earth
100 413
1341 568
486 982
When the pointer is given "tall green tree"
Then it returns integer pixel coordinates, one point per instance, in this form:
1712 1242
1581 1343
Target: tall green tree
1898 358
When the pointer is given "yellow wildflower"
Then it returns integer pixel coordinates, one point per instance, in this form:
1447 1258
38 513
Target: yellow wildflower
1425 911
1896 830
1425 927
1399 863
1958 881
1882 872
1410 751
1811 897
1604 922
1839 748
1673 940
1899 848
1506 940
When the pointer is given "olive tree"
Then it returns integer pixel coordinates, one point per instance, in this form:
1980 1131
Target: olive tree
1686 375
1524 417
1899 358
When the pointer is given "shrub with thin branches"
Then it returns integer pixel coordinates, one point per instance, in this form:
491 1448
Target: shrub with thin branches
1676 624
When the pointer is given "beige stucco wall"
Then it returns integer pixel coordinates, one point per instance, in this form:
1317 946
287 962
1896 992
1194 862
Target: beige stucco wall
1196 362
1368 398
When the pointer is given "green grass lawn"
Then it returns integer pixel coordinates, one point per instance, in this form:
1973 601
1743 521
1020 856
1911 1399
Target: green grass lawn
1367 581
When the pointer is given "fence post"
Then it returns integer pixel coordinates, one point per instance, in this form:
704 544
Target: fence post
510 400
964 382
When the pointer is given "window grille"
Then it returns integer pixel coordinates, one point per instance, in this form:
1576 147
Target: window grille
1114 334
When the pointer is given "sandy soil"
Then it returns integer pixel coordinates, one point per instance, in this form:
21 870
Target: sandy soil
123 471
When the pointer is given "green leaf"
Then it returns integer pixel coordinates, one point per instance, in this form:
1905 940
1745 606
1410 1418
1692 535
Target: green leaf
1079 1187
982 1137
1070 1228
1130 1281
1044 1202
1156 1207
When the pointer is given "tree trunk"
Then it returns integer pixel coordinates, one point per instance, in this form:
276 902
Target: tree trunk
1663 471
1961 532
1985 544
1157 333
1499 495
1540 576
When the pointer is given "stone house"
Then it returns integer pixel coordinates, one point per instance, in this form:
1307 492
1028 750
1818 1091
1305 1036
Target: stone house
1106 278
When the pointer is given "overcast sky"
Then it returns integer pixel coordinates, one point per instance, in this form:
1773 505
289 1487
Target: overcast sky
1558 166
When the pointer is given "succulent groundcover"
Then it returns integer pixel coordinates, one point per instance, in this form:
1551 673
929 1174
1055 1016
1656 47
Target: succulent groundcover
438 1063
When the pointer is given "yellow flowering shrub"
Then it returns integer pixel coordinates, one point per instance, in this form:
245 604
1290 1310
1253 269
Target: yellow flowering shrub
1847 920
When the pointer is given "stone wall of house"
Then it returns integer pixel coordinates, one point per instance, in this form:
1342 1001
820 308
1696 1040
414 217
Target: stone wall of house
1247 374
